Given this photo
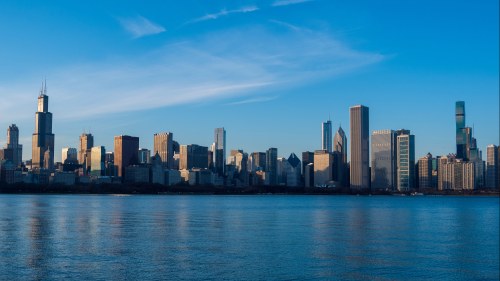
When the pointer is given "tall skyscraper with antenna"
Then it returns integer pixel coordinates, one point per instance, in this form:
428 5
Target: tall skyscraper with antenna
43 138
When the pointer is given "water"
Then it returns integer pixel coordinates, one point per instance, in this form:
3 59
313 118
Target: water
99 237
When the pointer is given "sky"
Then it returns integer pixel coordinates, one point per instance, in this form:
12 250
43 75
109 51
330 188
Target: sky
269 72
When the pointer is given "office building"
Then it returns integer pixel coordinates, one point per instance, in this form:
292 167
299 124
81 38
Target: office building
193 156
360 150
293 171
405 160
323 168
144 156
307 158
85 152
492 167
220 151
43 138
341 174
272 165
326 136
164 146
69 153
125 153
98 161
14 151
383 159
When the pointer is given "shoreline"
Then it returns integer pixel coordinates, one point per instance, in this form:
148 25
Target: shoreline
151 189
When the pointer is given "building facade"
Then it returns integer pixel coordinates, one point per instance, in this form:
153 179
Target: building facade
164 145
219 151
492 167
43 138
383 160
323 168
360 150
326 136
425 172
125 153
405 151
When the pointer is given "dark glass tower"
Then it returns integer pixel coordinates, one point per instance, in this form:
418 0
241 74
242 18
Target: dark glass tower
460 130
43 138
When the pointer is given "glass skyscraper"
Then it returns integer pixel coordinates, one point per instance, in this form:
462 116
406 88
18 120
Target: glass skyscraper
461 137
326 136
383 172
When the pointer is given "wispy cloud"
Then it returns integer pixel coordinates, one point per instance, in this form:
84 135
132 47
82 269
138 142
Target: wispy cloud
288 2
140 26
207 68
253 100
225 12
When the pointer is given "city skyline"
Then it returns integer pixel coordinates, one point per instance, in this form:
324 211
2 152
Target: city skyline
139 70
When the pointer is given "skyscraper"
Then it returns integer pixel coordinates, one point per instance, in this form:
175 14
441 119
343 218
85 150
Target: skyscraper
144 156
69 153
272 165
425 172
340 152
86 144
360 150
323 168
164 146
97 166
461 138
492 166
326 136
14 150
43 138
405 151
383 171
125 153
220 151
340 144
193 156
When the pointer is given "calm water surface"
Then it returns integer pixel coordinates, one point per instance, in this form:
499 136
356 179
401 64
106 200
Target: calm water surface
99 237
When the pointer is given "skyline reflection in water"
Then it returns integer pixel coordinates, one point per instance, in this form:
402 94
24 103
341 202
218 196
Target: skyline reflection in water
100 237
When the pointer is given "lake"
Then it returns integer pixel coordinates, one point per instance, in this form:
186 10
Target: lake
262 237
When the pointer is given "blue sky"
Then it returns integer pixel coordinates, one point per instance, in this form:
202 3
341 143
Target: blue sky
268 71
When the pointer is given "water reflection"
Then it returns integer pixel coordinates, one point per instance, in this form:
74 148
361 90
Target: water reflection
248 237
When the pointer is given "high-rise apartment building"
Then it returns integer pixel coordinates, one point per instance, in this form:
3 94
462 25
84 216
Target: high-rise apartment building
425 172
164 146
43 138
360 150
405 160
220 151
326 136
125 153
383 168
456 174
